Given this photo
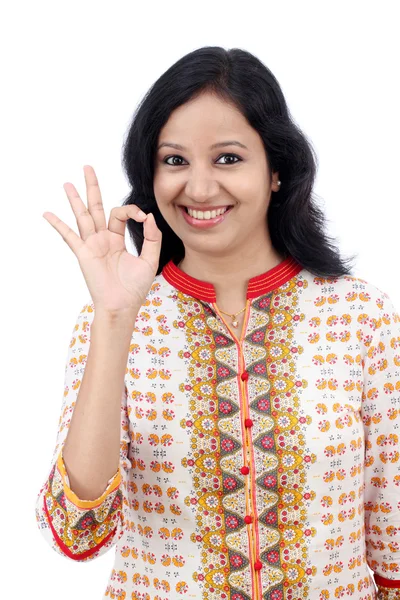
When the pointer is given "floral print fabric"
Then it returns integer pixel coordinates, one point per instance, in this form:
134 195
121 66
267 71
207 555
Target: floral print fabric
261 464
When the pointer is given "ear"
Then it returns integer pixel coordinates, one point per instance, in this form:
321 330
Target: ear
274 185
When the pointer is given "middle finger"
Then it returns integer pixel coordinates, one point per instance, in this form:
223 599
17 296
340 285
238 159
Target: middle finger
95 202
84 219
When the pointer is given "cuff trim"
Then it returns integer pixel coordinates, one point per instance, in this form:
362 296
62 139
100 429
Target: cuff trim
114 484
65 548
387 583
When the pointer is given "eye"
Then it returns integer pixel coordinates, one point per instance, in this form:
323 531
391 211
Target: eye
231 155
180 157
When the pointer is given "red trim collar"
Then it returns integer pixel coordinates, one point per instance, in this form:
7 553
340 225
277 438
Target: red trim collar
257 286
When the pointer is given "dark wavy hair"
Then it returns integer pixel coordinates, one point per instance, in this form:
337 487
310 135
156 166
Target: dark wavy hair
296 224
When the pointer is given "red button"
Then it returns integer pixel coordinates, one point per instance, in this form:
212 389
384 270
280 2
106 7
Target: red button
248 519
245 470
258 565
244 376
248 423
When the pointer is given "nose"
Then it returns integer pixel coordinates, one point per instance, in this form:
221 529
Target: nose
201 186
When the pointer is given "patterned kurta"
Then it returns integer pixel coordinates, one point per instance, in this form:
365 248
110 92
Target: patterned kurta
260 464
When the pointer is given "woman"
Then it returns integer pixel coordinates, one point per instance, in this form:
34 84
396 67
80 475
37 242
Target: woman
235 433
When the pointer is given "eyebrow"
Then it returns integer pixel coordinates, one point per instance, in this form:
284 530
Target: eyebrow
217 145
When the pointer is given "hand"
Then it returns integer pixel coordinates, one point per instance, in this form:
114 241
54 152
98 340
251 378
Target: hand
118 282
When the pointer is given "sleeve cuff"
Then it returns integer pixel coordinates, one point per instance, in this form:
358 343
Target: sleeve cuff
388 589
112 485
82 528
387 583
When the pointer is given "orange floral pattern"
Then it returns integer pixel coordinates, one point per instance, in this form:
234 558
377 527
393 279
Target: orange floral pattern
259 466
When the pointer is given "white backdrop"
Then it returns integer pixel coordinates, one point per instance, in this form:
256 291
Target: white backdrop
72 74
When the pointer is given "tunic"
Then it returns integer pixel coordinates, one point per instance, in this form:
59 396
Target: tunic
254 465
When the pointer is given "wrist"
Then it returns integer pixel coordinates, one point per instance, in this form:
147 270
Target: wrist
115 319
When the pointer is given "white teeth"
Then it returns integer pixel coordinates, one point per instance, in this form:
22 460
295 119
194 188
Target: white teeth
197 214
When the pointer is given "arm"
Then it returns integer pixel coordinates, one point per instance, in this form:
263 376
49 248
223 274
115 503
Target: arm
381 417
79 507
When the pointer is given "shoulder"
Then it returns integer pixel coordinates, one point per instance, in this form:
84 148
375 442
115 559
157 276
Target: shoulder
349 289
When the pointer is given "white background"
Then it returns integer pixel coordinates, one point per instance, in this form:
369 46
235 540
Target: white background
72 75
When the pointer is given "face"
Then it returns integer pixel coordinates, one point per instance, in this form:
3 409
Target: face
207 178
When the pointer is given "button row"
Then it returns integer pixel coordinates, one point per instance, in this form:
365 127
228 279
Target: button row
248 519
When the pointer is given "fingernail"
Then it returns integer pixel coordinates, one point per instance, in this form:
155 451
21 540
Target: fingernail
142 214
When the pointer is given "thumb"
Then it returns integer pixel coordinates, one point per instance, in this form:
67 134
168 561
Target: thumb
151 248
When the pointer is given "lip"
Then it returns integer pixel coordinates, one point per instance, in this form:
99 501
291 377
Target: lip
204 223
204 208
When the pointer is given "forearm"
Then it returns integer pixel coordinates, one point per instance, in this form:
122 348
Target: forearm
92 447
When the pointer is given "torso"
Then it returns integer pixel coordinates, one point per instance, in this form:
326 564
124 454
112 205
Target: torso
300 419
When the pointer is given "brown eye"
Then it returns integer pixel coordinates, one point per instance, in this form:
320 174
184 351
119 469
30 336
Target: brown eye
231 156
174 156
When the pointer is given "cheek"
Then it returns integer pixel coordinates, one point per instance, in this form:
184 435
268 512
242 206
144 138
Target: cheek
165 190
249 188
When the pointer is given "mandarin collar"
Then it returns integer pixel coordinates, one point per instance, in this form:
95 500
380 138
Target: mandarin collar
257 286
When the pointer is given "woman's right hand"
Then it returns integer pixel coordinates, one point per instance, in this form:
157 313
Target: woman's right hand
118 282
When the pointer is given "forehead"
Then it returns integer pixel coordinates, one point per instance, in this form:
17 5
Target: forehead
206 120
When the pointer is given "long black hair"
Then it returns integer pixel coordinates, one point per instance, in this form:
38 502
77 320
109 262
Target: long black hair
295 222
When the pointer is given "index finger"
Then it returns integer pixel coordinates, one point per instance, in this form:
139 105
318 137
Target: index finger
68 235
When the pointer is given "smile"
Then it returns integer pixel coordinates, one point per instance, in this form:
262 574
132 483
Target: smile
206 220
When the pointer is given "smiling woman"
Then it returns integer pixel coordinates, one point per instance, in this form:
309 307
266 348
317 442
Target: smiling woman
257 454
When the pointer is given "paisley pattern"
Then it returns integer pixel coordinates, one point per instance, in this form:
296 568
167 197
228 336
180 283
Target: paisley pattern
257 466
70 518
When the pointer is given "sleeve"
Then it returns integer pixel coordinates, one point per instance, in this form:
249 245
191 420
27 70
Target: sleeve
380 413
81 529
